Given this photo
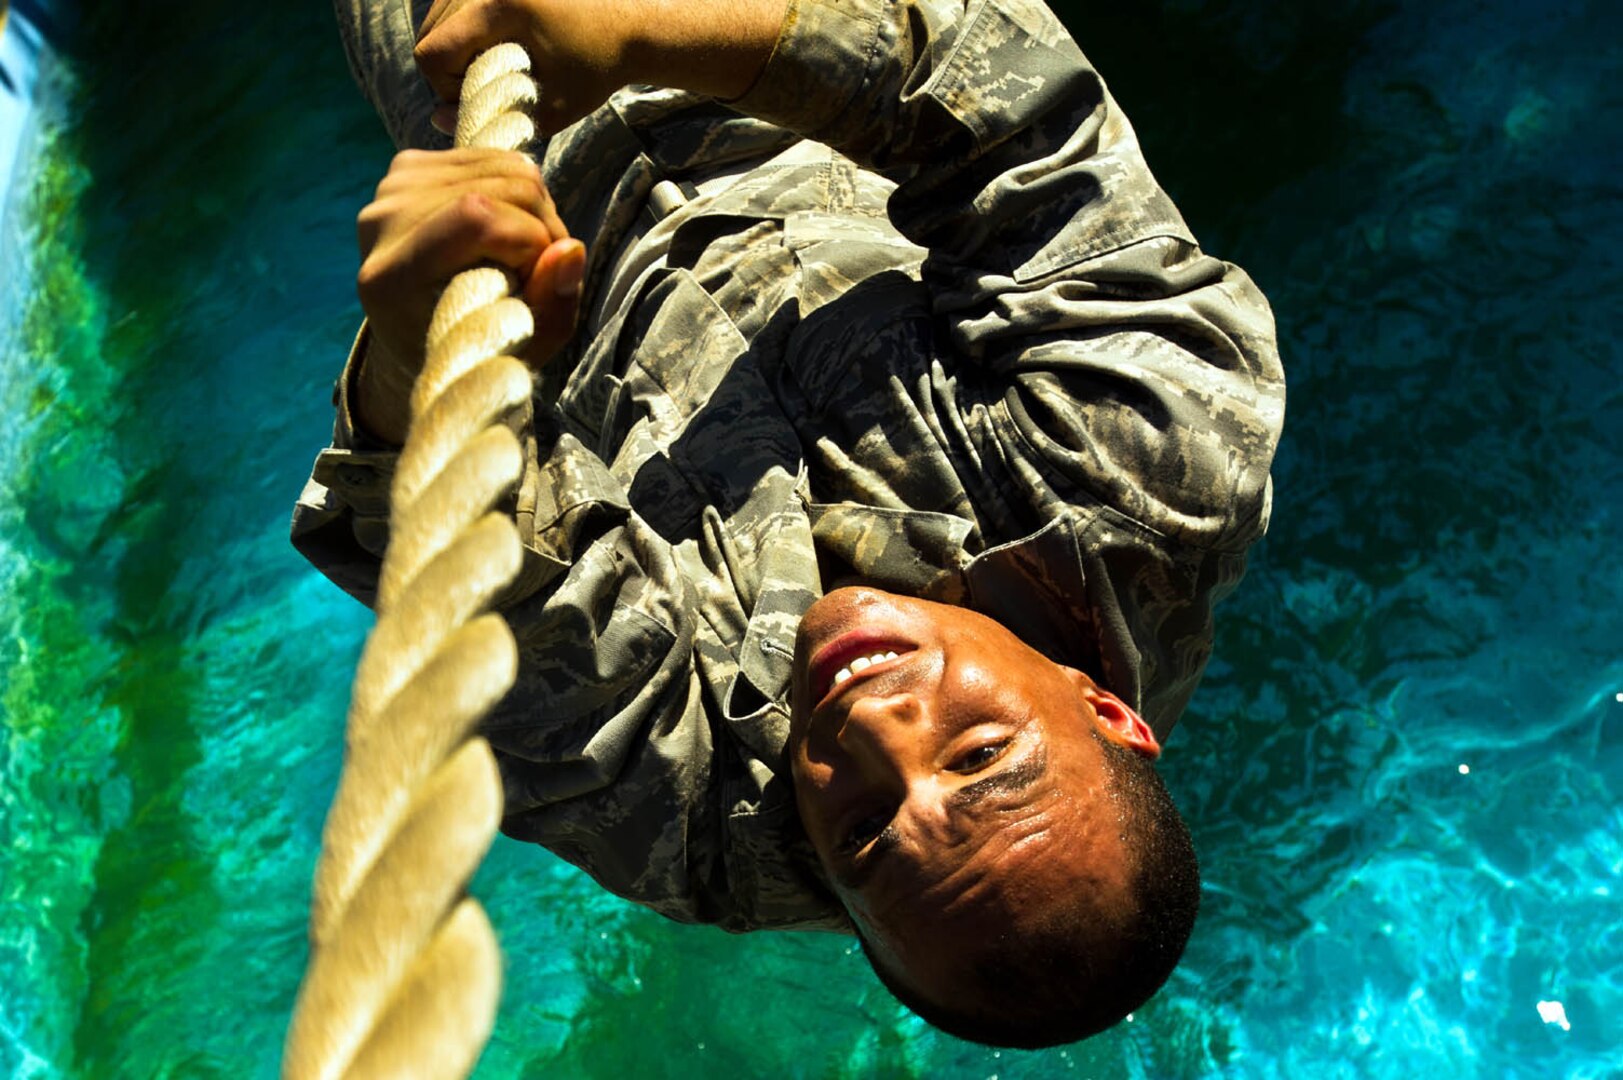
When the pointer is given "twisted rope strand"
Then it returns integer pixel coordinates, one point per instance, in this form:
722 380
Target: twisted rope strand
405 973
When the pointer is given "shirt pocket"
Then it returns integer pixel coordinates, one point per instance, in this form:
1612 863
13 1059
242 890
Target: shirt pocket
861 307
918 552
592 670
701 400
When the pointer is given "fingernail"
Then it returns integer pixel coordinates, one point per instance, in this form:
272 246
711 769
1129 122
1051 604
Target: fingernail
570 275
444 119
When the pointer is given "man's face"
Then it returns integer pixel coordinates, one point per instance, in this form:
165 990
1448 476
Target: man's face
946 773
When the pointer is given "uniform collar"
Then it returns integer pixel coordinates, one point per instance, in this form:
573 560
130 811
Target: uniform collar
1035 586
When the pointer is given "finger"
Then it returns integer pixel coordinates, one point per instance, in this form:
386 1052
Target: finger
436 13
470 230
445 49
553 293
506 175
522 192
548 213
396 214
426 168
557 273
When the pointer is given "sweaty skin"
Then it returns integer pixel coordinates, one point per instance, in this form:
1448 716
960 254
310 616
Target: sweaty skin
949 787
583 52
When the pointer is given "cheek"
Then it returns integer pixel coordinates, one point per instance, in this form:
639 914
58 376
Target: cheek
808 774
811 783
861 911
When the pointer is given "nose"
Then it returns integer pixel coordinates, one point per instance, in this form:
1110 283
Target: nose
882 733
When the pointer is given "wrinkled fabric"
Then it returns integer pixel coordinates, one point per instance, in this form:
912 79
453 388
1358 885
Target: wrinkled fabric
913 309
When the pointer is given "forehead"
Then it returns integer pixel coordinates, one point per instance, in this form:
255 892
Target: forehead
1041 854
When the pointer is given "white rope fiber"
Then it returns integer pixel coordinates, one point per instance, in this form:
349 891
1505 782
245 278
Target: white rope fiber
404 973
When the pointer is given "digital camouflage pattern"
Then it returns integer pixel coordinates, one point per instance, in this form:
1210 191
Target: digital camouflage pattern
914 310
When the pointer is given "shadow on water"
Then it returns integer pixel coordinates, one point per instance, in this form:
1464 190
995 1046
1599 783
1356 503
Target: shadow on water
154 880
184 145
1231 100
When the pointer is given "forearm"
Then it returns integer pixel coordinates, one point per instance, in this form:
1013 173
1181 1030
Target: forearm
713 47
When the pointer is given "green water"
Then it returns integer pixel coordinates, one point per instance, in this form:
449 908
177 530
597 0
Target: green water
1424 192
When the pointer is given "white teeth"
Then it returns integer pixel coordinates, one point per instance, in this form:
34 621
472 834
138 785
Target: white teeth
861 663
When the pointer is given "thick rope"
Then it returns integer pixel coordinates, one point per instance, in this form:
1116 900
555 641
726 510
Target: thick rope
405 973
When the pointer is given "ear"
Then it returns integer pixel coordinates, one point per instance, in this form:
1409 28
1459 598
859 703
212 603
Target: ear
1117 720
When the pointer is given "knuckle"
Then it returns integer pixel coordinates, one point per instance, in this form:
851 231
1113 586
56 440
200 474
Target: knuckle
473 209
369 279
525 191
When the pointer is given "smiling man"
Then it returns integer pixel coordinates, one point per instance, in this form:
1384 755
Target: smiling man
988 818
876 510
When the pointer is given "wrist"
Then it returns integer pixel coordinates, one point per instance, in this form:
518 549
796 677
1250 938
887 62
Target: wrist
380 401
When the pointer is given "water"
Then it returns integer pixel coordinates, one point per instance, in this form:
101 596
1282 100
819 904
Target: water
1404 770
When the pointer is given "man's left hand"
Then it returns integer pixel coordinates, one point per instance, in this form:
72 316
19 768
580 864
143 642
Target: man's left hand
585 50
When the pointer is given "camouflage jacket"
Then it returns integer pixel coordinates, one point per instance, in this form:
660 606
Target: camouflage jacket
913 308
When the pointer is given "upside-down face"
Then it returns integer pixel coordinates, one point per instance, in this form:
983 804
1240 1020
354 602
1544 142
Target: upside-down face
949 776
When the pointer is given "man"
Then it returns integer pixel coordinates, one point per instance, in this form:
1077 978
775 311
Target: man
876 513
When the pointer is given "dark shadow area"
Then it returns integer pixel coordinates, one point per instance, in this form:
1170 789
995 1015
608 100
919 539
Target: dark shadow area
52 28
1232 100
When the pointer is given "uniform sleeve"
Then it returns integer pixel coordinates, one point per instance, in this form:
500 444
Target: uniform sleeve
1113 361
605 742
378 37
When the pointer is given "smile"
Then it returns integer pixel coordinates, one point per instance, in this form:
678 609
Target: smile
850 657
861 663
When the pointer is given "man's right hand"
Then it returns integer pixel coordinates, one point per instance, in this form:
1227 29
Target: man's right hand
434 215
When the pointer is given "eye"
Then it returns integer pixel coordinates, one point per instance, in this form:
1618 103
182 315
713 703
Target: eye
863 832
978 758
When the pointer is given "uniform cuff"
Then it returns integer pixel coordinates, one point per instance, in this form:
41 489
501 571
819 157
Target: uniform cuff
823 57
348 431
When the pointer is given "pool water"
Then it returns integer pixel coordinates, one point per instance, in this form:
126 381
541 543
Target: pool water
1405 768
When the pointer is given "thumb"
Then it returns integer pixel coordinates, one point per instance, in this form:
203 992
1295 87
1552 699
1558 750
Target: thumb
553 293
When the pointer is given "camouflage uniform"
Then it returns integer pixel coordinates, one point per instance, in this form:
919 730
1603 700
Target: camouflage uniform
961 345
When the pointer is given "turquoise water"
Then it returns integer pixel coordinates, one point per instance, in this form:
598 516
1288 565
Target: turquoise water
1404 771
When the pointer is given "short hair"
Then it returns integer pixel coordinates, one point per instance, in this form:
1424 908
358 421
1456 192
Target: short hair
1056 986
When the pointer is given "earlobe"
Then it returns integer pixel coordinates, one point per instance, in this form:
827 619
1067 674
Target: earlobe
1117 720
